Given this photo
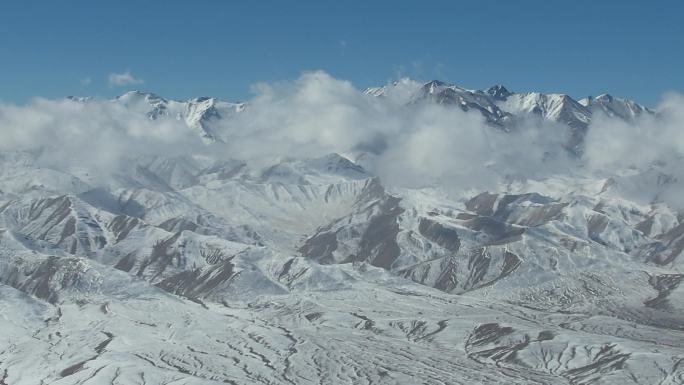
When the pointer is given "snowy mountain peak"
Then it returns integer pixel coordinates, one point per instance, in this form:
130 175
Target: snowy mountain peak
554 107
435 86
498 92
138 95
615 107
607 97
501 107
205 100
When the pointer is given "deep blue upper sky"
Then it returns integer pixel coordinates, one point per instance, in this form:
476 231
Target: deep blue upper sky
182 49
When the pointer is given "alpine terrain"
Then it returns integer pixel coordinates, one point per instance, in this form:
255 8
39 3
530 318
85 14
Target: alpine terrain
414 233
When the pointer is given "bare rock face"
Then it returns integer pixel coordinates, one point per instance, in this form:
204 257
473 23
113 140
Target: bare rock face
458 274
199 283
375 238
529 210
665 284
444 236
47 279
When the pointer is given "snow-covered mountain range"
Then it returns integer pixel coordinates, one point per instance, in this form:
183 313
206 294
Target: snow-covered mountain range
207 264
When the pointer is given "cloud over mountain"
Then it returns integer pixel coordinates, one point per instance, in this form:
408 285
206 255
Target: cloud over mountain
123 79
408 134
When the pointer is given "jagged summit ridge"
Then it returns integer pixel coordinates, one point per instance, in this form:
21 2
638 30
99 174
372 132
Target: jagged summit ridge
498 92
498 105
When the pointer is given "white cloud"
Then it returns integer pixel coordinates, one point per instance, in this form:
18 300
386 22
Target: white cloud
648 152
406 144
413 145
96 134
613 143
86 82
123 79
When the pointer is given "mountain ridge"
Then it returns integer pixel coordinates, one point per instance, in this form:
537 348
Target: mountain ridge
202 266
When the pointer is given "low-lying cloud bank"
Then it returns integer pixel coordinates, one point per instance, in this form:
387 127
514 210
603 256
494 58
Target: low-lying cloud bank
412 145
67 133
615 144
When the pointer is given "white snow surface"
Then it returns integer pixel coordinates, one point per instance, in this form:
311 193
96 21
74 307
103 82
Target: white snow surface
205 270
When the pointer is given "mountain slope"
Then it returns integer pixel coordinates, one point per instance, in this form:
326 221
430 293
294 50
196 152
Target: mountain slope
199 268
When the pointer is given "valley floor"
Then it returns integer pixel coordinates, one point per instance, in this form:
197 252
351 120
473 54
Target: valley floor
370 335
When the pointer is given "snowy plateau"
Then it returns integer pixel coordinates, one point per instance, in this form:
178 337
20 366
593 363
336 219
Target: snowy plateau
150 241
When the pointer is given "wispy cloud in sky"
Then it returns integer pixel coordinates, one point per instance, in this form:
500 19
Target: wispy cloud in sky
122 79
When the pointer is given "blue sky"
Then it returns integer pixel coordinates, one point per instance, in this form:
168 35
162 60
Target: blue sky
182 49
